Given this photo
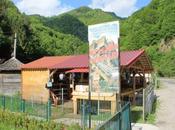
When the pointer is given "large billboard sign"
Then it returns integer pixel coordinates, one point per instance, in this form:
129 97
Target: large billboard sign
104 57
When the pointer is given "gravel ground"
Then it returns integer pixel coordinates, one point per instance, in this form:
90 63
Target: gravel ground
166 111
139 126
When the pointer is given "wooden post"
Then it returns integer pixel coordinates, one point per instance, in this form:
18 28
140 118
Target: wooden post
75 105
144 86
73 81
144 82
81 79
144 105
113 107
134 89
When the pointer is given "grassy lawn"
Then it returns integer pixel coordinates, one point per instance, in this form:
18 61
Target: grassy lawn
14 104
152 117
101 116
17 121
136 114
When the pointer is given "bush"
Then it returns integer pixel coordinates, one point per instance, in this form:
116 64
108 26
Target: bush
13 121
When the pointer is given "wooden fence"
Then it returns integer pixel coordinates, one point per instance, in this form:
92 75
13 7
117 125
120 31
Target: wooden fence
10 83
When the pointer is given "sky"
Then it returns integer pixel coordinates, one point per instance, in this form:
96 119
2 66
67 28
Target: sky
122 8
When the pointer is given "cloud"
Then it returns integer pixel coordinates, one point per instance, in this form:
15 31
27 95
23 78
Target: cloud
122 8
42 7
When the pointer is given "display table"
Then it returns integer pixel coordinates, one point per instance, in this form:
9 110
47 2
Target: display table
112 97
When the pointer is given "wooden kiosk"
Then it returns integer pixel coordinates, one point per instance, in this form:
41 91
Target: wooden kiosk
134 66
35 75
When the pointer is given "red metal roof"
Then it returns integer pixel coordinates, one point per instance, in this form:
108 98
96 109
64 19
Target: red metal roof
77 61
58 62
128 57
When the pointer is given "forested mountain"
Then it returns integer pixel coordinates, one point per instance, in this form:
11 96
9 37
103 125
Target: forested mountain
93 16
151 28
34 39
76 21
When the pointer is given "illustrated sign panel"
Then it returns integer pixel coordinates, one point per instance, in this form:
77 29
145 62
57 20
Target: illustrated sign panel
104 57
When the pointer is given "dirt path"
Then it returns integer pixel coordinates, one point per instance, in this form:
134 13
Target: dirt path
166 111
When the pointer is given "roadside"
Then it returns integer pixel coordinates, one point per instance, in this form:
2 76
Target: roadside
165 114
166 96
150 121
139 126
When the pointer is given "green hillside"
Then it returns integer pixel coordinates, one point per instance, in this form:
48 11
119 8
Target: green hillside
151 28
93 16
34 38
63 24
76 21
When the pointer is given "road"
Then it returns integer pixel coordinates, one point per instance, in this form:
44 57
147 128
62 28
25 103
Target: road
166 110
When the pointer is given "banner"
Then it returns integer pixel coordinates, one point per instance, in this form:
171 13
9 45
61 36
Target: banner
104 57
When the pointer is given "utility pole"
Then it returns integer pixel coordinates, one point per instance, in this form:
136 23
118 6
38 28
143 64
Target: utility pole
14 51
89 99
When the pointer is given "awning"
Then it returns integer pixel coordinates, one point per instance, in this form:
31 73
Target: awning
80 70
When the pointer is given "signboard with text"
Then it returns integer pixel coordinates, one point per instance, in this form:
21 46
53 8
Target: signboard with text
104 57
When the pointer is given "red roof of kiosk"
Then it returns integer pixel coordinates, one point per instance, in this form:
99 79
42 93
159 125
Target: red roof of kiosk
77 61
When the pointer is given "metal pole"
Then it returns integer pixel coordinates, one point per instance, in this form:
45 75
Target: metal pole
11 102
120 121
48 109
15 40
83 115
23 105
118 96
3 102
144 105
130 127
98 102
62 99
89 98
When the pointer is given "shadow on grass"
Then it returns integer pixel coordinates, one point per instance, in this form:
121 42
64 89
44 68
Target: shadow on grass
151 118
136 114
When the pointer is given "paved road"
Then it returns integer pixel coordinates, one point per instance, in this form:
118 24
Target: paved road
166 111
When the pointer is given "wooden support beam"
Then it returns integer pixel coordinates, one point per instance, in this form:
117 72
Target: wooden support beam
134 90
136 67
54 97
73 81
144 84
149 61
143 67
52 73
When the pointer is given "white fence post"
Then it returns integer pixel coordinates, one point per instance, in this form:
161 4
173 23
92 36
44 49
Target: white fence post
148 100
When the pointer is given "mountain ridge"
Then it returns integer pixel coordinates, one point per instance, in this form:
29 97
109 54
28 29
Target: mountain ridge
66 34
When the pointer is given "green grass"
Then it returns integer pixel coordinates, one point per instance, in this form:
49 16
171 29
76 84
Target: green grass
102 116
159 85
58 111
137 114
17 121
14 104
152 117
